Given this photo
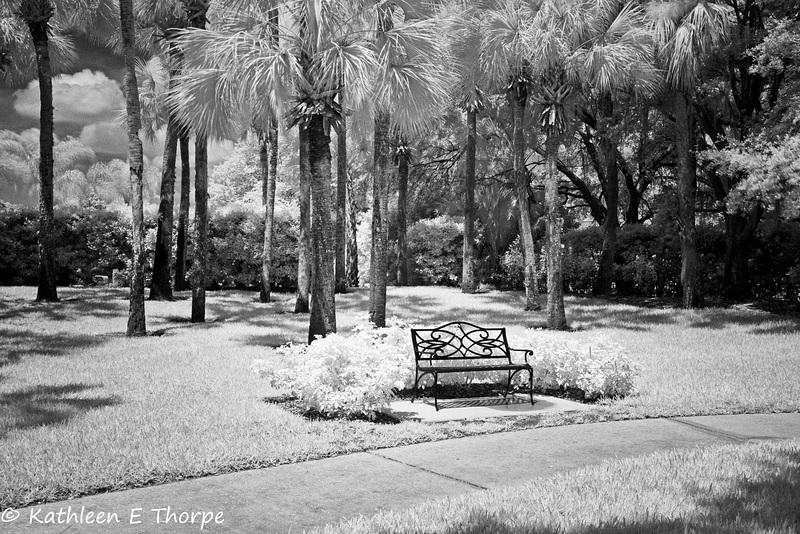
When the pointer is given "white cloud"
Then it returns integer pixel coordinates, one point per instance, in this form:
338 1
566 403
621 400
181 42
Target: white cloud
106 138
83 98
218 151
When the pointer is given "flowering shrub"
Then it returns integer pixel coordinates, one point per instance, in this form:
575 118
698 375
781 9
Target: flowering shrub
601 368
346 375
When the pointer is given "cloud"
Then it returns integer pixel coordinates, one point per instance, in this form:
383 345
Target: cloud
83 98
107 138
218 151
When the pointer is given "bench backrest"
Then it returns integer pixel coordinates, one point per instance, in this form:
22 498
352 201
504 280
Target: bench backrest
459 341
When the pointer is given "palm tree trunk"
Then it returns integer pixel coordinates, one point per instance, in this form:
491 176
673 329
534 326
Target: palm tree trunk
378 268
341 205
197 10
687 193
518 96
323 242
160 285
556 317
605 273
136 313
200 259
468 268
304 241
269 182
352 238
37 15
402 220
183 216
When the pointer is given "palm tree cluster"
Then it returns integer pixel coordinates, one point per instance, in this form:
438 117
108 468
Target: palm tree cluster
565 69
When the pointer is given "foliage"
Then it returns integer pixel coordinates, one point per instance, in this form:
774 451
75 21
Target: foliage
772 174
236 240
96 241
599 368
435 245
346 375
92 241
512 267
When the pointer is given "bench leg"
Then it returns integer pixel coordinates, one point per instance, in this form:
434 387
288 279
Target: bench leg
436 391
508 384
530 389
416 382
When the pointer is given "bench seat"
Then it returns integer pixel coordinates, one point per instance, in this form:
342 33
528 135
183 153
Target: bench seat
461 347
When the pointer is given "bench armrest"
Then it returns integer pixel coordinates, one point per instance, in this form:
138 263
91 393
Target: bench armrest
526 353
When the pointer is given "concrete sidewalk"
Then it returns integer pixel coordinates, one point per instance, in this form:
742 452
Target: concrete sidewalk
300 496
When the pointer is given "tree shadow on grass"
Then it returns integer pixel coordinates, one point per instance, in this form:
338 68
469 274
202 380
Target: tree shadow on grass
98 304
47 405
17 344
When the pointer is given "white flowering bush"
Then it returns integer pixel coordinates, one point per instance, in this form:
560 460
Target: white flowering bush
600 367
346 374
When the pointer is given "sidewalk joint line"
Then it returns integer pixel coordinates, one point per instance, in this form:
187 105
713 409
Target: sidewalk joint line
374 453
711 431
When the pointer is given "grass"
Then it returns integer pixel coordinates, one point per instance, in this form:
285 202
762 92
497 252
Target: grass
729 489
84 409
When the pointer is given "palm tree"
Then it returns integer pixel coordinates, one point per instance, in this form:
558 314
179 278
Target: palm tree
410 93
402 157
615 56
267 141
302 303
341 205
163 19
136 314
196 11
316 53
465 40
685 32
599 48
505 64
182 233
322 49
43 27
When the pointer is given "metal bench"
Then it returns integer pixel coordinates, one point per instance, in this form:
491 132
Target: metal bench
460 347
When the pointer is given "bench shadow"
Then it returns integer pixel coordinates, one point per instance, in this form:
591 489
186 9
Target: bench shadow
47 405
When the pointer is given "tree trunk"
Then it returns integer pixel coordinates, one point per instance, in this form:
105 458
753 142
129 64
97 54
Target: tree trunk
183 216
160 285
517 97
468 282
46 290
197 15
740 228
136 313
352 238
402 201
200 260
556 317
269 182
304 242
323 242
341 206
380 221
687 193
605 272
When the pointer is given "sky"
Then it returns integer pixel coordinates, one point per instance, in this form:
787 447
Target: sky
87 101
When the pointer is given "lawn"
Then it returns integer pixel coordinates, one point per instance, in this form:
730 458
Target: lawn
84 409
734 489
